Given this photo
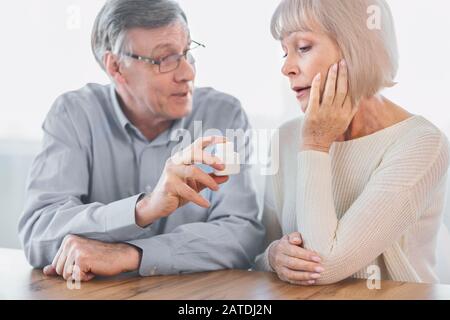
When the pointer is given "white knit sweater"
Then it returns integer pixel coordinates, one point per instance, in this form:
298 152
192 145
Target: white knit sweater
376 200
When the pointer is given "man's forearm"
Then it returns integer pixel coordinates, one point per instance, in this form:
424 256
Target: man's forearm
114 222
198 247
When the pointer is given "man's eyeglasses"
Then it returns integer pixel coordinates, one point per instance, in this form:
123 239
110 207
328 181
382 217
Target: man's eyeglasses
171 62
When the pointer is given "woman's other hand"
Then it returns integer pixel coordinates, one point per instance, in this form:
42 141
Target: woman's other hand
292 263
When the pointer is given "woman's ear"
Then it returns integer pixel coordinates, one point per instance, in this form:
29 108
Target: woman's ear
112 67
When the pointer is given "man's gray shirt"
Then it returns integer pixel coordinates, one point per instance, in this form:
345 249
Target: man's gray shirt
95 164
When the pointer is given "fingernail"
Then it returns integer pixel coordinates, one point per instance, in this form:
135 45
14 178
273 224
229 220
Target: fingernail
315 276
297 239
335 67
319 269
343 63
311 281
316 259
47 270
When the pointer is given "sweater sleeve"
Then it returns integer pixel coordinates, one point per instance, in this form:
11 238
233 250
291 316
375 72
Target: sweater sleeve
271 224
272 207
390 203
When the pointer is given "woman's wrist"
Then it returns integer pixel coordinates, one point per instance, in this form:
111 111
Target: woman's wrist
270 254
321 147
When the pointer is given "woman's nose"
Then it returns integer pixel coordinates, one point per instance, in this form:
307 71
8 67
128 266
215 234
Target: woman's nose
290 67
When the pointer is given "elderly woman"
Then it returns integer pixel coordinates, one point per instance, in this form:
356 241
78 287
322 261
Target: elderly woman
360 186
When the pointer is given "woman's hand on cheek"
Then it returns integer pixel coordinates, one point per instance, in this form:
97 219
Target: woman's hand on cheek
327 120
294 264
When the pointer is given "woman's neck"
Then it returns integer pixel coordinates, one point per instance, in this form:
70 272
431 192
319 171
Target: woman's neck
374 114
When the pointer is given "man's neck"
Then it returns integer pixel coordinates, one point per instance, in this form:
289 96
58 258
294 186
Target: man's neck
143 119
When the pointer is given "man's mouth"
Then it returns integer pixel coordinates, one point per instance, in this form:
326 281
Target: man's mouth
181 94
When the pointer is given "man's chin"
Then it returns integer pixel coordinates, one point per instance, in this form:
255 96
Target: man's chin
178 112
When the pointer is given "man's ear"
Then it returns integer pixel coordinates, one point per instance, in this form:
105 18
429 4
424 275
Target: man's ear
112 67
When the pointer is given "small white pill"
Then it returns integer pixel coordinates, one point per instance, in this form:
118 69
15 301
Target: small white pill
225 152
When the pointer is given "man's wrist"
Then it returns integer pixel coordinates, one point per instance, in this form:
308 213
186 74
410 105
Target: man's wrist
132 257
142 211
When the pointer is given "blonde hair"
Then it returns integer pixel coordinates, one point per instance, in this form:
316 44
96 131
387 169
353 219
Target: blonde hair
371 53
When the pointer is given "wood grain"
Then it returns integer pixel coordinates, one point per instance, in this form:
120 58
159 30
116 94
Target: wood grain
19 281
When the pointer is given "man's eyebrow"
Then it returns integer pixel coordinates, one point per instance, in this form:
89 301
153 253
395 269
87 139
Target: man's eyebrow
169 45
164 46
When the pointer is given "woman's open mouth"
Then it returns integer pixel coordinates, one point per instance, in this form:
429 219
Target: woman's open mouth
302 92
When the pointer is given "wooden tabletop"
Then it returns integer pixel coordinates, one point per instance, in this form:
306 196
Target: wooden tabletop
19 281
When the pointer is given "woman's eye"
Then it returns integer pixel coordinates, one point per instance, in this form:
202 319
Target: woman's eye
301 49
304 49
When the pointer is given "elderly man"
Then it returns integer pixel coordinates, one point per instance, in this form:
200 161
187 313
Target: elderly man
105 195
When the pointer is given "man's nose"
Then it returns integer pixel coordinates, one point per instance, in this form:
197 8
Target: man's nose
185 71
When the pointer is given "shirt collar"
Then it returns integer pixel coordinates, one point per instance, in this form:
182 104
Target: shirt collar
123 120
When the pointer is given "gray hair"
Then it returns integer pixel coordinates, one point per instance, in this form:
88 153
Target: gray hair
118 16
371 54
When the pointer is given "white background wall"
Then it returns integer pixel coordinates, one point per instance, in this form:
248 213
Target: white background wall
46 51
